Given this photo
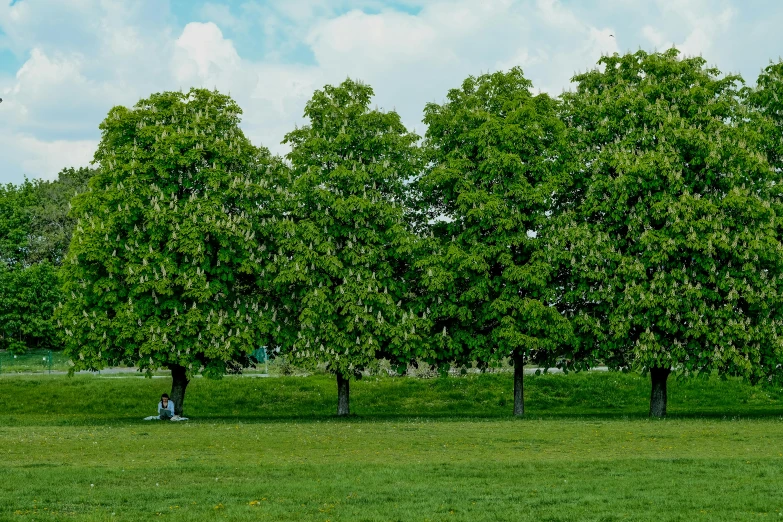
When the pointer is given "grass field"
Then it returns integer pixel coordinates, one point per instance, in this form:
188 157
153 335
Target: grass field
32 361
438 449
38 361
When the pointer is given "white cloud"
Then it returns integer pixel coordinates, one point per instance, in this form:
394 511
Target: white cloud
221 15
655 37
523 59
286 88
84 56
695 25
52 98
203 53
43 159
552 13
272 96
368 43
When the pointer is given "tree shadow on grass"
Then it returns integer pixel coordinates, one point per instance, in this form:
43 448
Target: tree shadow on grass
424 417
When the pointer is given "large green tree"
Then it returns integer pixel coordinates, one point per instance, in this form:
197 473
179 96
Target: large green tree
343 267
16 203
28 296
164 265
676 261
767 98
34 233
51 224
34 221
496 154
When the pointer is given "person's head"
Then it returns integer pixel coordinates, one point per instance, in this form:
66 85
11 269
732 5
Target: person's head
164 398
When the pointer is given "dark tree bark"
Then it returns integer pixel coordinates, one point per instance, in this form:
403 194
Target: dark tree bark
343 395
519 381
179 382
658 398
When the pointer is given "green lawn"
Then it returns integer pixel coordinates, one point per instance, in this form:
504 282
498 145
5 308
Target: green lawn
38 361
33 361
440 449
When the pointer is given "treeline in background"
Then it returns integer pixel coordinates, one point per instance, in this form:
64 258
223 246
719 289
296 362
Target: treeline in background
633 222
34 234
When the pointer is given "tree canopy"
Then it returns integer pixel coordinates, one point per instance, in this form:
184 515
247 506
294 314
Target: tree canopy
343 267
634 222
680 264
15 222
767 98
496 154
34 233
164 262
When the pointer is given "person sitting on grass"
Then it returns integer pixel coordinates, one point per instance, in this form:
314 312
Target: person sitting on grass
165 408
165 411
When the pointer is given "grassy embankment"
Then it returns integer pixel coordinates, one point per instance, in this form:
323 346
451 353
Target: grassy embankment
439 449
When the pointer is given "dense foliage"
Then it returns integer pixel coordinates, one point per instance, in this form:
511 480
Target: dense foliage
496 154
343 269
634 222
27 299
34 233
681 268
15 216
767 99
164 263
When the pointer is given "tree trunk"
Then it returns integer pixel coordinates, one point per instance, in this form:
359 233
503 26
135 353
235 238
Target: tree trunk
658 378
343 406
519 381
179 382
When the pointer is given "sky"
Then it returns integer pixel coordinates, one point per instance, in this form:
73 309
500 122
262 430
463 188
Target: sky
65 63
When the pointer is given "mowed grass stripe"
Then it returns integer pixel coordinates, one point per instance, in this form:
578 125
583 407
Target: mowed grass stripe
629 489
486 470
87 399
392 441
440 449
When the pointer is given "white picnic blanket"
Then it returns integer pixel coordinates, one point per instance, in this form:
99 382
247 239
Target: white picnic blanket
175 418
